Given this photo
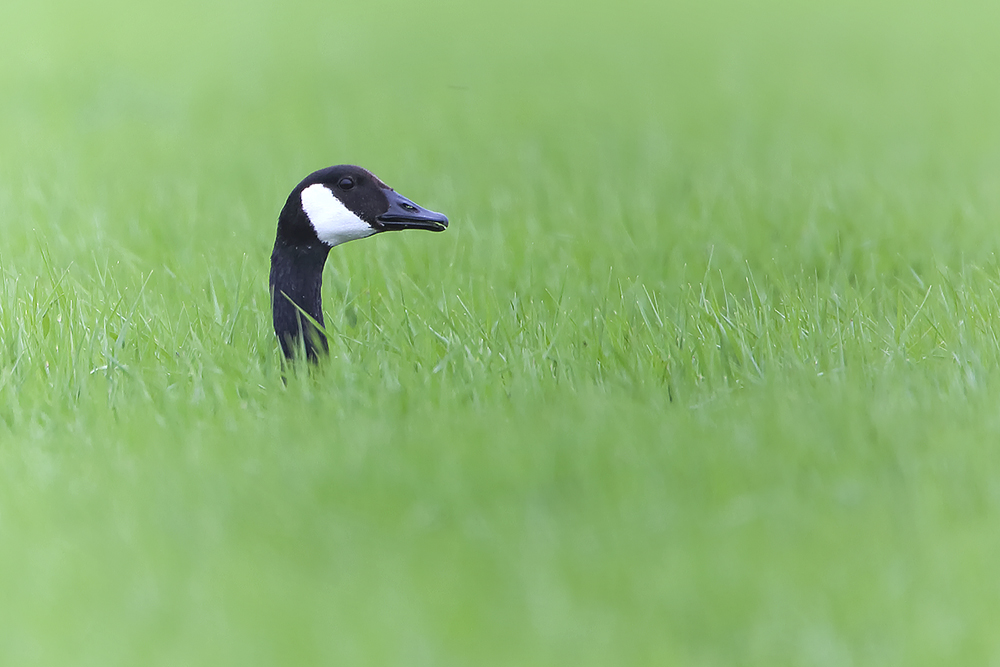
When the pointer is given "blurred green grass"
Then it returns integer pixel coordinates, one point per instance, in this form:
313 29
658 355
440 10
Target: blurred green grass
704 371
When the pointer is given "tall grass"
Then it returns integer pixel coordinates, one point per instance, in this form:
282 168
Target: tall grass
703 372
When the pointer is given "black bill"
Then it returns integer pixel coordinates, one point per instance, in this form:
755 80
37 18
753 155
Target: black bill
404 214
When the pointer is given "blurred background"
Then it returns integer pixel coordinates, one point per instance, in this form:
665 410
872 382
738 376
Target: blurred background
867 122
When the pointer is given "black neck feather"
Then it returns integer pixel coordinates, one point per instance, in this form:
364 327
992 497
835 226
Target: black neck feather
297 280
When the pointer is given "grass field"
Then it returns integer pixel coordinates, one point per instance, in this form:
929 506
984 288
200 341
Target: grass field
706 370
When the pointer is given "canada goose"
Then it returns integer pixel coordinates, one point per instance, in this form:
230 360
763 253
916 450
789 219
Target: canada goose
329 207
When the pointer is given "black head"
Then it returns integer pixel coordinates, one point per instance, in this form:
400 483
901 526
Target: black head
329 207
344 203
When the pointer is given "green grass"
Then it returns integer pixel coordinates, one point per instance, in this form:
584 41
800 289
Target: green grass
706 370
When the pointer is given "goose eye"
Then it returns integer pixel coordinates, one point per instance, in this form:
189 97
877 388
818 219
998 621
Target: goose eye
346 183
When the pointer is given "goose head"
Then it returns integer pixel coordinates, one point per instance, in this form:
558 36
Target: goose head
344 203
329 207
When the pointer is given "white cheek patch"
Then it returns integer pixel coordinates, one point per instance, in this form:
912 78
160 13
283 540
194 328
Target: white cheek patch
334 223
